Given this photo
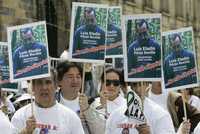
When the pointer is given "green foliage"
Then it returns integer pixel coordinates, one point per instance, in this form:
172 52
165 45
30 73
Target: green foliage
154 29
101 15
39 34
114 16
186 42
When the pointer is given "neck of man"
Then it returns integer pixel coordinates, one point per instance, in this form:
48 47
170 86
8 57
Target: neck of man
46 104
69 96
113 97
156 91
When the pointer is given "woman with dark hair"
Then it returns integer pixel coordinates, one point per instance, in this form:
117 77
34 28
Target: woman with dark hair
191 98
176 110
109 100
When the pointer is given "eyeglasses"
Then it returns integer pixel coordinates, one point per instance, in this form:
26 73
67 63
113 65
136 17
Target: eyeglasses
114 82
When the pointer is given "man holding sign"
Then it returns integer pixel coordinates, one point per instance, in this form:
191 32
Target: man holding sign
46 114
140 117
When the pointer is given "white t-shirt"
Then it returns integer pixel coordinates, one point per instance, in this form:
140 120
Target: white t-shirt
158 119
197 129
5 125
160 99
96 116
195 101
115 104
71 104
64 55
54 120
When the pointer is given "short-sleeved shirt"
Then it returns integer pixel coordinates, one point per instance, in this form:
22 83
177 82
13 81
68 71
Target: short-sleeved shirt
114 36
91 38
54 120
32 56
177 63
144 56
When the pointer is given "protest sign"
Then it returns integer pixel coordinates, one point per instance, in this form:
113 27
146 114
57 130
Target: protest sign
88 32
179 60
28 51
4 63
114 32
134 110
142 47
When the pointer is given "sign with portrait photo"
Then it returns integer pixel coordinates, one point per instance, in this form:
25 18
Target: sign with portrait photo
28 51
142 47
114 32
4 63
88 32
179 59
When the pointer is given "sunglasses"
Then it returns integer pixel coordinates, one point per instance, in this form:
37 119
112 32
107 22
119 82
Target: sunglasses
114 82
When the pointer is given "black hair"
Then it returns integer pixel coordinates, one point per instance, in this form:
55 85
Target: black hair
173 37
139 23
118 72
190 90
90 9
64 67
25 30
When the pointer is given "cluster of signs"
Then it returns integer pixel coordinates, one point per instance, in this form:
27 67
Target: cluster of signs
99 32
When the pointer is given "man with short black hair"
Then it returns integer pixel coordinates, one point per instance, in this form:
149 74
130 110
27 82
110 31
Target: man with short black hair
48 115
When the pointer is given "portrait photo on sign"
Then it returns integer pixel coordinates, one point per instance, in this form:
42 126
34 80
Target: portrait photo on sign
179 59
88 32
4 63
142 47
114 32
28 51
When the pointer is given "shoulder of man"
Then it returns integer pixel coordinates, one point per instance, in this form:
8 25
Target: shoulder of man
153 110
20 48
154 42
81 28
22 113
99 29
188 53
